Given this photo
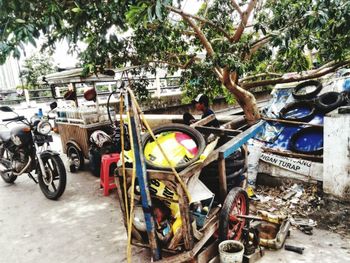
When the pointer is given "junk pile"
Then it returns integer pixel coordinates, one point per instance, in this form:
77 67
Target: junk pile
291 142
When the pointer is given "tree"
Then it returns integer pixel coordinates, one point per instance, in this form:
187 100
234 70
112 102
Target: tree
35 66
228 45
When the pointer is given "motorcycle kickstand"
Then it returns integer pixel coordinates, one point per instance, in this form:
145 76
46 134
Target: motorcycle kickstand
31 177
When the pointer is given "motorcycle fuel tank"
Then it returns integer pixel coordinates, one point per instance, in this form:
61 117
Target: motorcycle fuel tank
20 135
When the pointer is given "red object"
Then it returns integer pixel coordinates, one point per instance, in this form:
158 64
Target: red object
107 182
239 207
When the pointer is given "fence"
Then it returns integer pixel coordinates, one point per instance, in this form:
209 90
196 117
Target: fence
156 86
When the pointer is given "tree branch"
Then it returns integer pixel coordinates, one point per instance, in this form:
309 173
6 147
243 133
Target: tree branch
203 20
179 65
255 47
244 19
297 77
261 75
205 13
199 33
236 6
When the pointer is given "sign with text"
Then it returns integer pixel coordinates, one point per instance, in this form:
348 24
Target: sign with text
299 166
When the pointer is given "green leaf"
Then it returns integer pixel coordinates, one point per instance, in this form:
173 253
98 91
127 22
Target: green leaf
20 21
76 10
16 53
159 10
31 40
150 15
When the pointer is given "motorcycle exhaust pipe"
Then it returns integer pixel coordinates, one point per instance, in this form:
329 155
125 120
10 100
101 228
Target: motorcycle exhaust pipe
25 167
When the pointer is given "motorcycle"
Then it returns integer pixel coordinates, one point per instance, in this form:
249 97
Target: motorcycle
26 148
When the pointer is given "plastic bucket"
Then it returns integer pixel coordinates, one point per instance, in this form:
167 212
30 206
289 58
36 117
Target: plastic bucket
231 251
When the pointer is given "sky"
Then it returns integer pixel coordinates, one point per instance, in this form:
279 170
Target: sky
64 60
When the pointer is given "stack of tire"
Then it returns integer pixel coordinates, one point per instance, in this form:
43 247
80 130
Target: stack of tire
235 169
311 104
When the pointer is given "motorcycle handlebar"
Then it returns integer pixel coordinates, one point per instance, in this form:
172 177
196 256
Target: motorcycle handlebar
18 118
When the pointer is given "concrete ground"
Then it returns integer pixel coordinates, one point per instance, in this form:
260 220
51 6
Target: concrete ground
84 226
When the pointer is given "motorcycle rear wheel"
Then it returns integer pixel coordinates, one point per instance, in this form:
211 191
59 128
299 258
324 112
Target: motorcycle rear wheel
8 177
54 184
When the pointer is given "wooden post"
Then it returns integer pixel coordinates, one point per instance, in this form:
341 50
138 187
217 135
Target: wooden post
184 206
26 95
222 177
76 98
245 154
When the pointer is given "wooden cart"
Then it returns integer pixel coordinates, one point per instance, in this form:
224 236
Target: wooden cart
75 140
75 133
193 240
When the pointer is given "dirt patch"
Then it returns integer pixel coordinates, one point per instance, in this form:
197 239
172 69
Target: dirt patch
304 201
334 216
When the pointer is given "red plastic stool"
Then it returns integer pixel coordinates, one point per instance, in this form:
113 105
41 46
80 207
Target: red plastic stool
106 181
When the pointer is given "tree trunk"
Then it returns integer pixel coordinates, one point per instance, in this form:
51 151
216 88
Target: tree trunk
246 100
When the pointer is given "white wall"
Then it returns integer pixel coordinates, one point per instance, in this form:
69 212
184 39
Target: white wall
336 157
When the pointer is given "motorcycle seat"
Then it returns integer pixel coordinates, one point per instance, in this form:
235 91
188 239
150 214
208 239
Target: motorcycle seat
5 136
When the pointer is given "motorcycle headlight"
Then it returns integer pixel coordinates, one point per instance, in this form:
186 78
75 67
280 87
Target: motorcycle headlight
44 127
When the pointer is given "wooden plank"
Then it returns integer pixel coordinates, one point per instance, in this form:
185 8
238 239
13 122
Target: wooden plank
208 233
175 241
292 122
213 216
217 131
183 257
184 206
204 121
235 123
153 174
140 244
215 259
208 252
222 177
233 145
315 158
245 154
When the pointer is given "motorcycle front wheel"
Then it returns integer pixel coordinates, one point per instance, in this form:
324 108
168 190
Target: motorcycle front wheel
6 162
54 183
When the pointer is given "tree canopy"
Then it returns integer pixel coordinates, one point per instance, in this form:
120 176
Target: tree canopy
227 47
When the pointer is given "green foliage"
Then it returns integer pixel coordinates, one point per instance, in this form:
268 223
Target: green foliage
321 25
157 36
36 66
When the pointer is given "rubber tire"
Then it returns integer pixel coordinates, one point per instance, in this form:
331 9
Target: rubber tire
329 101
63 179
72 149
295 136
295 105
226 210
309 95
193 133
8 179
